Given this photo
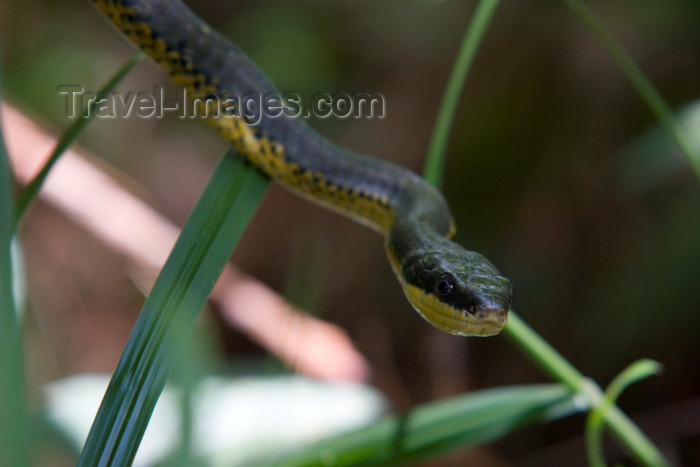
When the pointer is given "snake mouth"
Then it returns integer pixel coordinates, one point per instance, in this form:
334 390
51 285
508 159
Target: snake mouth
495 315
487 320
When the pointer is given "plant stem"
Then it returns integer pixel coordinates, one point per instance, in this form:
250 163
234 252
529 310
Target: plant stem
543 353
560 369
32 189
639 80
443 124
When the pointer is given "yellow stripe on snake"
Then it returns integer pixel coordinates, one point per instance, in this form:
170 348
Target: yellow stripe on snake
457 290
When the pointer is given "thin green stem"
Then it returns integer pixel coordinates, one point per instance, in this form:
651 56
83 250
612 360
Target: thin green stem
438 142
631 437
33 187
560 369
596 420
543 353
639 80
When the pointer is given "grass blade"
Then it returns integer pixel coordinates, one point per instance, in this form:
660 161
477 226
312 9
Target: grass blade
438 141
594 424
13 411
33 187
438 427
542 353
167 317
639 80
539 350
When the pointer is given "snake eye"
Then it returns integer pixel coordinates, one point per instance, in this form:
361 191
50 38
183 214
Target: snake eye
444 286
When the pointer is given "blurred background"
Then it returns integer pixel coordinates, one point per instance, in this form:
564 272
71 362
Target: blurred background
556 172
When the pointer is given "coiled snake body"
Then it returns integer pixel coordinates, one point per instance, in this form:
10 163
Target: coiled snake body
455 289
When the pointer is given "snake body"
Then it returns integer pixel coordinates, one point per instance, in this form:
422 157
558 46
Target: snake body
455 289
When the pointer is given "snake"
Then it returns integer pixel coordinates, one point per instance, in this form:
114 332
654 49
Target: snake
455 289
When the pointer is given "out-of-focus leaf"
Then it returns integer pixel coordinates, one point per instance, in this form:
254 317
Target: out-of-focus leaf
13 416
441 426
654 158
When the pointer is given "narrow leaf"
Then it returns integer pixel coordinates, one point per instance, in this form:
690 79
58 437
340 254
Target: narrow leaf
594 424
438 142
13 412
167 317
71 134
639 80
441 426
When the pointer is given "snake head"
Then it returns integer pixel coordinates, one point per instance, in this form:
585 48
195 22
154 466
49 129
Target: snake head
457 290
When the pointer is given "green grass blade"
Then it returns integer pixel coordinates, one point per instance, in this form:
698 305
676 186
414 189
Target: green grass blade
438 141
438 427
594 424
639 80
542 353
13 411
637 371
167 317
32 189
